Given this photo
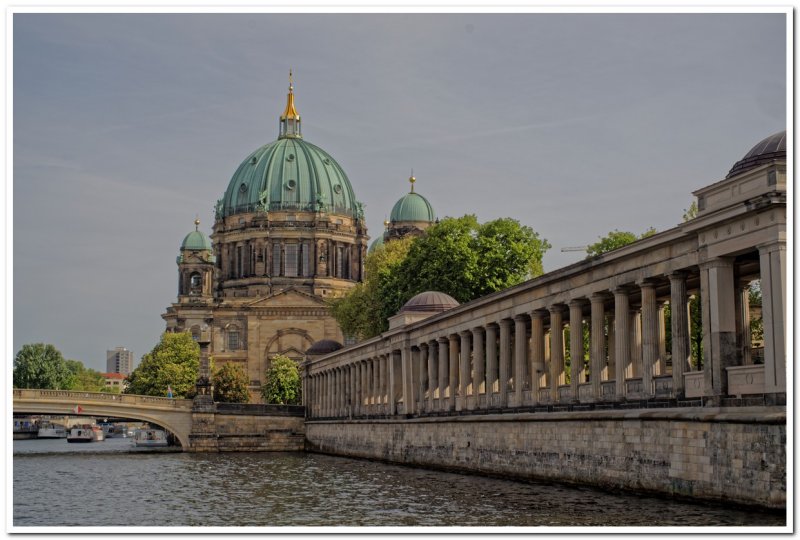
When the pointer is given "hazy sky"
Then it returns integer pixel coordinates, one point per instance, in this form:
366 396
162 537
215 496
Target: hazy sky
127 126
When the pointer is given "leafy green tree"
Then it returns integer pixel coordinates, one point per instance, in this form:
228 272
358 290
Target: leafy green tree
457 256
462 258
230 384
615 240
85 379
282 382
41 366
173 362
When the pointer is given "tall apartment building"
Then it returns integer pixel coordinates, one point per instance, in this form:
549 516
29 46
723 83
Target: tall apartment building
120 360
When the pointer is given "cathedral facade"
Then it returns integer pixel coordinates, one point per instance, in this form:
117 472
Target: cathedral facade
288 235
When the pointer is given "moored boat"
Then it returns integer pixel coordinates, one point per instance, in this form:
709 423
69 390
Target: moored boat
150 438
86 433
51 431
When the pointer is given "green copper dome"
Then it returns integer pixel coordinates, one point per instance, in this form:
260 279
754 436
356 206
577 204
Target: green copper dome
289 174
412 207
375 244
196 241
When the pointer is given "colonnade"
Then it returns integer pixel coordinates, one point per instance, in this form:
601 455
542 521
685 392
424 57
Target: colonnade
519 358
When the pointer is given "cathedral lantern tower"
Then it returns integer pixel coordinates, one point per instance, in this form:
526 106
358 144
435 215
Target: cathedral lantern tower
195 267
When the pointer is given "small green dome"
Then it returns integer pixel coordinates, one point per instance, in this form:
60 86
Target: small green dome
196 241
375 244
289 174
412 207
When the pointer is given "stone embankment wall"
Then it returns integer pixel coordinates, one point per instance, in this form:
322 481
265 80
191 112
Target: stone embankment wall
248 428
736 455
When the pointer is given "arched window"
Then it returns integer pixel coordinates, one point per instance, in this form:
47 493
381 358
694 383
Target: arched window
195 283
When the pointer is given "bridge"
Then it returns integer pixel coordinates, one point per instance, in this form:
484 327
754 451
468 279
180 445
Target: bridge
213 427
172 414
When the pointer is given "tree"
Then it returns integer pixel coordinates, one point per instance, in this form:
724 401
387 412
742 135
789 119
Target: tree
41 366
457 256
282 384
174 362
615 240
230 384
467 260
85 379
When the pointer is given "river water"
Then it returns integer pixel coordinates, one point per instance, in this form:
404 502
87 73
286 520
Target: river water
111 484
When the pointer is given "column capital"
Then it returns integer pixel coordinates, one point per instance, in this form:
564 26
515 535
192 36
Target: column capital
422 345
557 308
453 338
599 297
678 275
465 333
621 290
772 245
520 317
443 339
716 262
577 302
505 322
646 283
477 330
540 313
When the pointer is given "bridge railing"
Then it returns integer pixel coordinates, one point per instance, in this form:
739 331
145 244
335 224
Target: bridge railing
89 397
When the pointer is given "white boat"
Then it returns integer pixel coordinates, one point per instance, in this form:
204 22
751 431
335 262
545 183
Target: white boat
86 433
150 437
109 430
51 431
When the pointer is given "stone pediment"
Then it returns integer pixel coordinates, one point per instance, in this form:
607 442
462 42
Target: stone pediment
287 298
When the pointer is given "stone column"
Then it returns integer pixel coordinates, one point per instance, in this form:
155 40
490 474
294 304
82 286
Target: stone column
422 370
649 336
491 362
337 394
622 338
433 381
742 298
464 373
453 364
661 364
365 385
575 344
520 357
351 385
537 353
719 324
597 354
479 364
505 360
444 373
772 258
635 368
384 361
375 385
407 373
556 349
680 331
392 380
611 367
357 388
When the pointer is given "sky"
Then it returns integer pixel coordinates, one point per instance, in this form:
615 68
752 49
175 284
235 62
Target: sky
127 126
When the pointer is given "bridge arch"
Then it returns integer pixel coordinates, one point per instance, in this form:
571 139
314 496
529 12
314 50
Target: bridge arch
172 414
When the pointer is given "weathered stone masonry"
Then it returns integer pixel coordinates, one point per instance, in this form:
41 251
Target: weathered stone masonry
736 455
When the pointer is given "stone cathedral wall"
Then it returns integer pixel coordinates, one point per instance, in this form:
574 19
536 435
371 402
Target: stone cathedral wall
736 455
